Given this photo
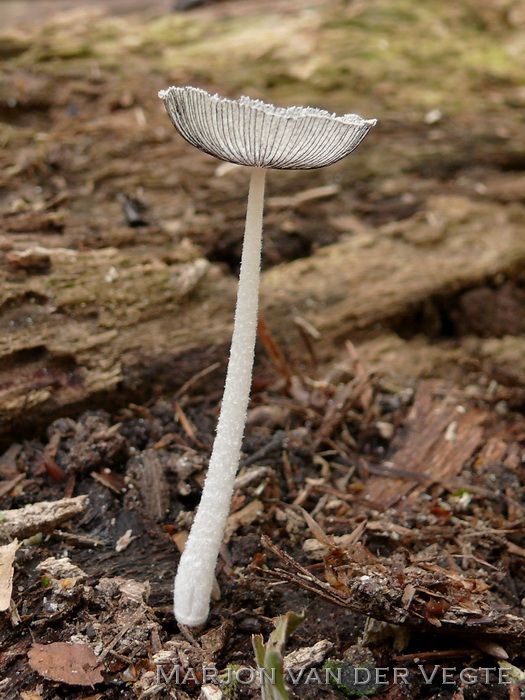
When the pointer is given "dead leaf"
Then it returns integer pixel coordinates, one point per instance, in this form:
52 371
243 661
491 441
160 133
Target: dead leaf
216 639
7 557
75 664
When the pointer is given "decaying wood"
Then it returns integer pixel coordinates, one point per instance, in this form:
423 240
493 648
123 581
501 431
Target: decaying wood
39 517
441 437
97 333
154 486
417 595
103 322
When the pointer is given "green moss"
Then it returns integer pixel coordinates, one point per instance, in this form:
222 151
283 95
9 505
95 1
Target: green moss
392 56
173 30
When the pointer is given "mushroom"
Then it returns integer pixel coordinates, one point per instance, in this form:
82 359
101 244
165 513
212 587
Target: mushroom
258 135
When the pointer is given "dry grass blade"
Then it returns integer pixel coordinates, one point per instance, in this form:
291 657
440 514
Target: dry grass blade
316 530
274 351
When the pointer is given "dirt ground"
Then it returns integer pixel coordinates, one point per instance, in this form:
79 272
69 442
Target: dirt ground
382 480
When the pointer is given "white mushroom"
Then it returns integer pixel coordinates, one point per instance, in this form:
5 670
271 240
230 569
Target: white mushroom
252 133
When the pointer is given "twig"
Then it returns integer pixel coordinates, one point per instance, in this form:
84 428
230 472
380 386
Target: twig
10 485
196 377
438 600
274 444
79 540
188 427
37 517
435 655
128 624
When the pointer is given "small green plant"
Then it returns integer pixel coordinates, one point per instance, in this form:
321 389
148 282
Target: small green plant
230 688
269 657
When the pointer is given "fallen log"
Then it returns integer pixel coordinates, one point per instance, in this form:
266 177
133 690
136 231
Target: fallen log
115 324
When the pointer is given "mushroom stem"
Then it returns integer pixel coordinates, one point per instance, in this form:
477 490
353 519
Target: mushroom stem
196 571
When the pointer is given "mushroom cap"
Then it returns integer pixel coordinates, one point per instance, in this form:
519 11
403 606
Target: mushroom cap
254 133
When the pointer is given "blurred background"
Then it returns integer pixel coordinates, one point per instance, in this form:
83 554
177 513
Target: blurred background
26 11
413 246
390 369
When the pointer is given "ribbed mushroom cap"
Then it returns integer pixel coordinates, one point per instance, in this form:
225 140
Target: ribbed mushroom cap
251 132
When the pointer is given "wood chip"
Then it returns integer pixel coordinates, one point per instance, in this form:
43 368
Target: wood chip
245 516
34 221
307 656
154 487
38 517
440 442
124 541
61 569
187 425
114 482
7 557
34 259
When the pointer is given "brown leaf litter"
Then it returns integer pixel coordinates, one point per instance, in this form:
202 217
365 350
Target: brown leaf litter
402 591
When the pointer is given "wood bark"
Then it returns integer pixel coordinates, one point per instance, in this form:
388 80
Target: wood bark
117 324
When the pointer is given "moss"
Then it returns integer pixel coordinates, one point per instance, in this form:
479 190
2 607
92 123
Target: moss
173 30
387 56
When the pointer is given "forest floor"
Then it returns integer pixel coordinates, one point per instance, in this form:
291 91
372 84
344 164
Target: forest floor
382 474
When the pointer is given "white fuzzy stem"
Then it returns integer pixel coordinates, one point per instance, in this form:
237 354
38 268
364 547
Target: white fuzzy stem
196 572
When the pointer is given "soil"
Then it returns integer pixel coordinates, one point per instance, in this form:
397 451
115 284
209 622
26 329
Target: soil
382 481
